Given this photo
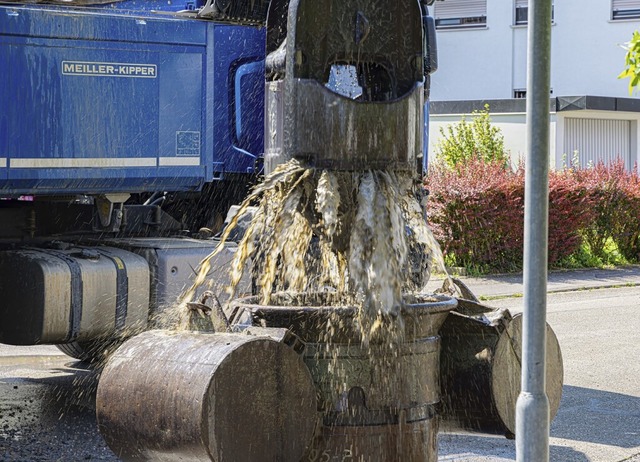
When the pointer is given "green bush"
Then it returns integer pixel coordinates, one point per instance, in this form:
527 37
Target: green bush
585 258
476 206
471 140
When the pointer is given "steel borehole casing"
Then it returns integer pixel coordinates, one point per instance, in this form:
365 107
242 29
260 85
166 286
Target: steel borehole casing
375 402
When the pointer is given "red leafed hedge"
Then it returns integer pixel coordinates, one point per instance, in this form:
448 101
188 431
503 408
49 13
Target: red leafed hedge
571 211
476 211
615 194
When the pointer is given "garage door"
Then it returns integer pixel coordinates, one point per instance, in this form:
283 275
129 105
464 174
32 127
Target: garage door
597 140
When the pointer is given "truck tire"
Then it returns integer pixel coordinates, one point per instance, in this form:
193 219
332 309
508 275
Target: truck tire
92 352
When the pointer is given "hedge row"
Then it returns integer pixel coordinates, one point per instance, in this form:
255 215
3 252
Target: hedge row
476 211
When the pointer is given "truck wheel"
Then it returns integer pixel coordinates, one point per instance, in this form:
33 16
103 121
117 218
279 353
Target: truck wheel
93 352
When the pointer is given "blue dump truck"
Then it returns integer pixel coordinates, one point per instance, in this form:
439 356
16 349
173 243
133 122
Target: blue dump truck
130 97
127 130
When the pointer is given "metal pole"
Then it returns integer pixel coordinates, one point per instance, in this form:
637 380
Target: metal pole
532 409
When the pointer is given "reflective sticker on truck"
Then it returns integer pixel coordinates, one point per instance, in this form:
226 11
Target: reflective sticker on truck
187 143
96 69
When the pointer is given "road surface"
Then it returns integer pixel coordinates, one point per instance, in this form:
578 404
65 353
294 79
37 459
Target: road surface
47 399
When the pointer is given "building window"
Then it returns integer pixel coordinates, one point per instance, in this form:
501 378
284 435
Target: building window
522 12
520 93
458 14
625 9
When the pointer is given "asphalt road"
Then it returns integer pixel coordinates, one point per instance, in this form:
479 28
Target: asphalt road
47 399
47 408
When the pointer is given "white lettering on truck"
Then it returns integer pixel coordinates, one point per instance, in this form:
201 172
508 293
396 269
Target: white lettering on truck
94 69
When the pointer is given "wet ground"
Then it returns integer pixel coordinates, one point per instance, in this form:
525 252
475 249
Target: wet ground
47 399
47 408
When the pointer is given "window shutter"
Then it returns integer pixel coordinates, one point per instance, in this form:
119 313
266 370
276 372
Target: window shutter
625 9
525 3
625 4
460 9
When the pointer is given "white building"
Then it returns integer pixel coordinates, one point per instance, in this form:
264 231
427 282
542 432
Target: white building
482 50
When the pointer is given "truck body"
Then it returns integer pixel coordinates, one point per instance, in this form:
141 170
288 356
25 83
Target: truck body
127 129
118 100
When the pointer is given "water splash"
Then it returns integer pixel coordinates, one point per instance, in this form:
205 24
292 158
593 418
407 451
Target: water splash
360 235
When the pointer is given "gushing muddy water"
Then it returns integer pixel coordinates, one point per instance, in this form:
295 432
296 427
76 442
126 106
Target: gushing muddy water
359 235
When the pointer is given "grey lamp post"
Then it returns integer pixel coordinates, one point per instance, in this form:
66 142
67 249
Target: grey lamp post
532 409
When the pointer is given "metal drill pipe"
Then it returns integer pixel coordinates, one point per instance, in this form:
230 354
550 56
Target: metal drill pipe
532 409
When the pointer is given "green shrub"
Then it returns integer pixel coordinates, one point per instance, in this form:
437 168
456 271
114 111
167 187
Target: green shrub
615 194
585 258
476 206
472 140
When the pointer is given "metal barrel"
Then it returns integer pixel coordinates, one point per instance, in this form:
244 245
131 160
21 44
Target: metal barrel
175 396
376 402
480 364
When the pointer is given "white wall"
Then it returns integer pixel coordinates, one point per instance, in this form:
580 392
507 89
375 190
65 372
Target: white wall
475 63
513 127
489 63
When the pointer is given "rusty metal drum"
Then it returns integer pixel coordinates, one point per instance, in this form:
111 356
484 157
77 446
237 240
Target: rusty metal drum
175 396
376 402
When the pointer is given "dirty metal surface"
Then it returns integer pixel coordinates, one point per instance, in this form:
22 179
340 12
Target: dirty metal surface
599 415
481 367
186 396
377 123
377 404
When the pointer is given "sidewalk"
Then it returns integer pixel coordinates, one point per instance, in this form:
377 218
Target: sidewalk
510 285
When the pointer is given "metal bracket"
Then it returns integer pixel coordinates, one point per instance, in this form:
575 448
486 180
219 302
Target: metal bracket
105 208
210 9
215 312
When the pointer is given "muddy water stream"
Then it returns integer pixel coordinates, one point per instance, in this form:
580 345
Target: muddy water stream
360 235
338 259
